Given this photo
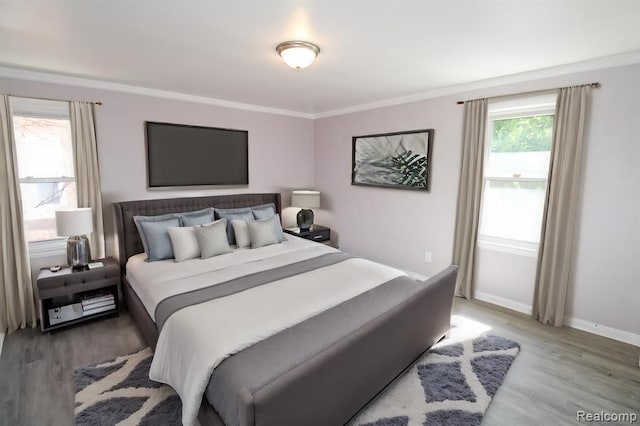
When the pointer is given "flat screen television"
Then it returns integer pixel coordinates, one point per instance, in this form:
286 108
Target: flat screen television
182 155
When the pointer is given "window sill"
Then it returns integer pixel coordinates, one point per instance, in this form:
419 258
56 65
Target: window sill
508 248
40 249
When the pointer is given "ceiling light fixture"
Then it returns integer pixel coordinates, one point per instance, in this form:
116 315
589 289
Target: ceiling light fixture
298 54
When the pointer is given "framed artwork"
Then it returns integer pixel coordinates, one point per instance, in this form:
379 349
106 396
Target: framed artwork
400 160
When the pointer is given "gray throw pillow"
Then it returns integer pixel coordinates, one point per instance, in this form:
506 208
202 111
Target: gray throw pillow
243 213
212 239
263 232
267 211
198 217
158 241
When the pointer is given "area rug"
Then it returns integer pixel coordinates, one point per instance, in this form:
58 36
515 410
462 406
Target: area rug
452 384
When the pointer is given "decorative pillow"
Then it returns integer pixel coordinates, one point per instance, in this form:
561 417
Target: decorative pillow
198 217
158 241
241 231
168 219
263 232
231 214
212 239
184 242
278 227
266 211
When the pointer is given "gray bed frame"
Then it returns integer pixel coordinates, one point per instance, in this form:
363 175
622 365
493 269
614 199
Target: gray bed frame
335 385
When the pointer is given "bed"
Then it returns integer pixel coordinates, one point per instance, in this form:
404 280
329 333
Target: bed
349 327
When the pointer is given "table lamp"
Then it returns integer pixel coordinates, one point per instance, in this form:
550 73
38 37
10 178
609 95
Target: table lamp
75 224
306 200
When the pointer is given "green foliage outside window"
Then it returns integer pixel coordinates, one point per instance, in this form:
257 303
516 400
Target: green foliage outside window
523 134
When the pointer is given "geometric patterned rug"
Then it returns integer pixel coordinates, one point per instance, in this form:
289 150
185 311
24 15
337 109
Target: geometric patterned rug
452 384
120 392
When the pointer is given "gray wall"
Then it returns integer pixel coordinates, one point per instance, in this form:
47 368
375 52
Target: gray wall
280 147
397 227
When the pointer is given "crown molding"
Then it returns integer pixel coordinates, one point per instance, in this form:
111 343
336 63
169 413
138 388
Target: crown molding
628 58
623 59
44 77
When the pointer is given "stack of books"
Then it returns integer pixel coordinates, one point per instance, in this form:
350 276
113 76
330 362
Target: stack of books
98 303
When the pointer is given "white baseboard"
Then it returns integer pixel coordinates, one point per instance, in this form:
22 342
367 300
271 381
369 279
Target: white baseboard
1 341
589 327
603 330
501 301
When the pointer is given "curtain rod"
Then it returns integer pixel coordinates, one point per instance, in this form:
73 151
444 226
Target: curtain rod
49 99
596 85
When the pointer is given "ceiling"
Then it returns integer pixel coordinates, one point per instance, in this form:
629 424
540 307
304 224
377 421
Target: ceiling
371 50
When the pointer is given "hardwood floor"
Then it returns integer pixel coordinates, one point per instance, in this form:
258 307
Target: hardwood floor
558 372
36 370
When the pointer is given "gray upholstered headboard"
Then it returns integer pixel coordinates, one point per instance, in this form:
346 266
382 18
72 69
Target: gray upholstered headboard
129 242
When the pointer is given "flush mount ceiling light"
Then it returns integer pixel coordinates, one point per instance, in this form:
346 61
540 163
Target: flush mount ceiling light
298 54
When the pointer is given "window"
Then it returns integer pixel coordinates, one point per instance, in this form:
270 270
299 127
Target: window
42 132
518 144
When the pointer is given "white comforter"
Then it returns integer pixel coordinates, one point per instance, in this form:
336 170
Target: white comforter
155 281
198 338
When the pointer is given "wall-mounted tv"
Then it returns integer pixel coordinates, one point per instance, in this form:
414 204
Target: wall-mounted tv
181 155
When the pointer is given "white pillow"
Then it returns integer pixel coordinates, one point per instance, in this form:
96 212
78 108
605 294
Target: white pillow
184 242
263 232
240 228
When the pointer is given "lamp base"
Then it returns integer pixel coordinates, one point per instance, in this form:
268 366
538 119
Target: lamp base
79 268
78 253
305 219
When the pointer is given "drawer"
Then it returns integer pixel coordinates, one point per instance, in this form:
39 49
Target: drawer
64 278
320 235
72 288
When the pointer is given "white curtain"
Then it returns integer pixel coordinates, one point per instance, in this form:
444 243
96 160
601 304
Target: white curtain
558 225
85 154
17 309
469 194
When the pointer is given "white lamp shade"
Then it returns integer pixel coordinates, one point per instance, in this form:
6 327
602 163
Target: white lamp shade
74 222
305 199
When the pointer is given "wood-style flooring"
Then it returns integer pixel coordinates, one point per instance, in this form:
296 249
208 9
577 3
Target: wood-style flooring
558 371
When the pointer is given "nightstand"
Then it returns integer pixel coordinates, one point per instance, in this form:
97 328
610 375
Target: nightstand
66 297
317 233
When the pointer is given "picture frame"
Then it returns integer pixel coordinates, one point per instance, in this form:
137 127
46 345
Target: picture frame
399 160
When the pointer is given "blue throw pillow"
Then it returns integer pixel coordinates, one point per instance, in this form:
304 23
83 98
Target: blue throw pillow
158 241
198 217
138 220
264 211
